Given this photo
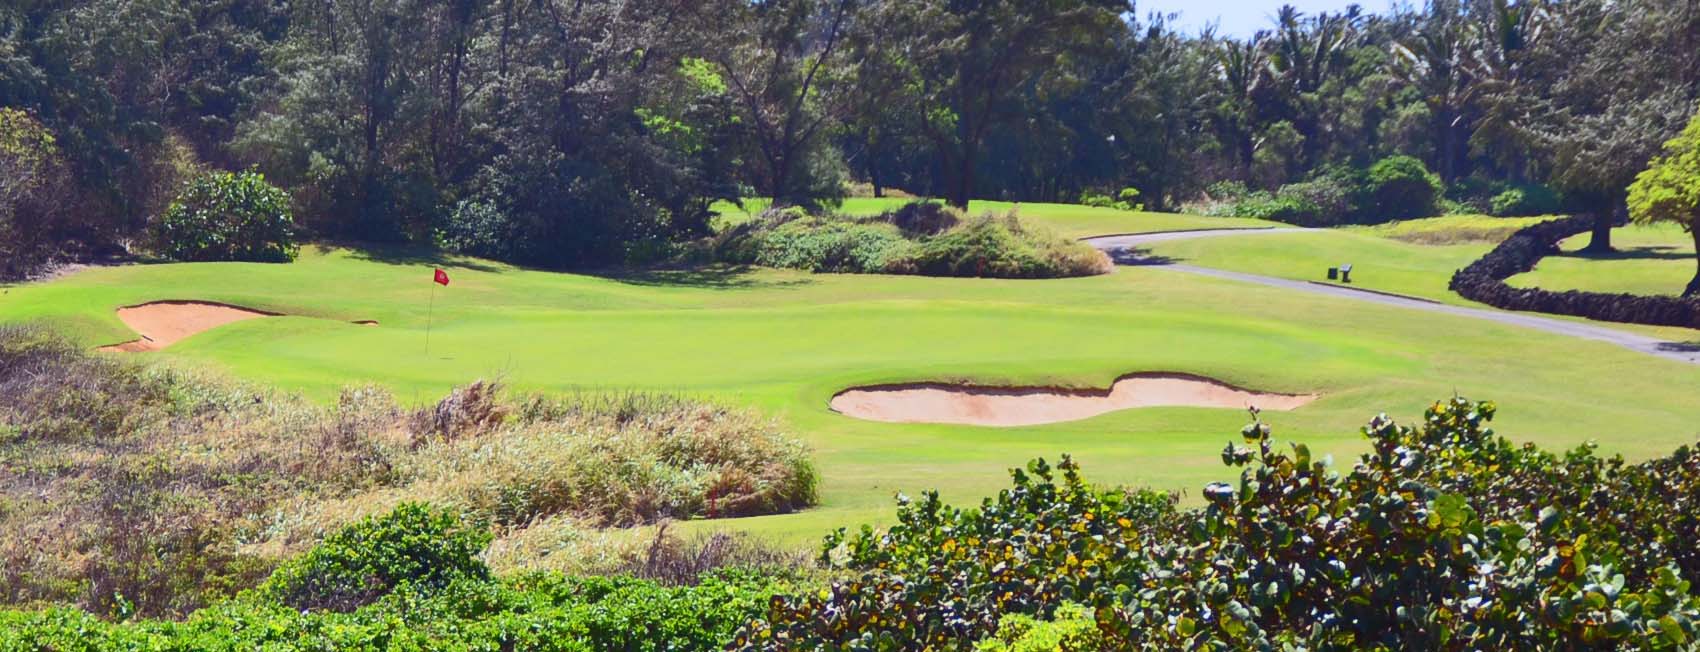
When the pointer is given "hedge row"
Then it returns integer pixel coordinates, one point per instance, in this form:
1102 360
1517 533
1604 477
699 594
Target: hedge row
1484 281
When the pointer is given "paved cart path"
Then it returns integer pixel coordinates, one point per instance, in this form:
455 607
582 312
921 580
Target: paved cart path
1127 250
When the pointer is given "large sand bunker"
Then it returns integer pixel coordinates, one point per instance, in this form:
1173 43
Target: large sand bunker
163 323
1026 406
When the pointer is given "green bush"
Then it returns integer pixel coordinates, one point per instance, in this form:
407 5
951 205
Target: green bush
1401 187
223 216
1001 247
1524 201
414 546
1127 199
920 238
1442 537
538 612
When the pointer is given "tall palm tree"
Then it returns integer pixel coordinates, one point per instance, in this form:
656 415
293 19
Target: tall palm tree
1438 61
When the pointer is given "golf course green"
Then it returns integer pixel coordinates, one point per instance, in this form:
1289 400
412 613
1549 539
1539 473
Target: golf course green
786 342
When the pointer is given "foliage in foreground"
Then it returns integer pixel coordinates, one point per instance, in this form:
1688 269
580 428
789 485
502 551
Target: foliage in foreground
126 488
920 238
421 586
1444 537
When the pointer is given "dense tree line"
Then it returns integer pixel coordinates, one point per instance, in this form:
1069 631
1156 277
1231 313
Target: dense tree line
594 132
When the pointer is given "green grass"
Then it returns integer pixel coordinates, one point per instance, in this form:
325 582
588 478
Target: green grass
1069 220
1386 258
1657 259
785 342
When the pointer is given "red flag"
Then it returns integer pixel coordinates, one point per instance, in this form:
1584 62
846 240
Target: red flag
442 277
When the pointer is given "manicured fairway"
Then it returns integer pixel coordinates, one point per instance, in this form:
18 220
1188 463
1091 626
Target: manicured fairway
1650 260
784 342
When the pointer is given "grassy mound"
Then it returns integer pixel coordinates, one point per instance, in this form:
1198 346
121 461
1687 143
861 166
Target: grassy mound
129 488
919 238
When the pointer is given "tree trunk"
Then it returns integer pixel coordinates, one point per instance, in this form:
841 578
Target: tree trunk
1693 289
1600 241
963 189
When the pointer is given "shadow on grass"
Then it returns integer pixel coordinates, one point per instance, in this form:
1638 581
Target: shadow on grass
1650 252
405 254
712 278
1139 256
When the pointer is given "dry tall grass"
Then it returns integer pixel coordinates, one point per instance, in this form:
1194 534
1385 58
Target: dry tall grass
128 488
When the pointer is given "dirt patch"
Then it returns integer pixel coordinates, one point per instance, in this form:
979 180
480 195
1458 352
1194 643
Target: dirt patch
163 323
1027 406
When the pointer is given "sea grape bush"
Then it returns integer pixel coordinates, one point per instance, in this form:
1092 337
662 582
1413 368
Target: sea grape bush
1443 537
414 546
944 576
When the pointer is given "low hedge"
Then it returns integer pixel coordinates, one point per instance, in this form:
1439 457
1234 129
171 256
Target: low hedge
1484 281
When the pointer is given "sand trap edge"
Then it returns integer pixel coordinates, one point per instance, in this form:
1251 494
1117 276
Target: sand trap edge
968 393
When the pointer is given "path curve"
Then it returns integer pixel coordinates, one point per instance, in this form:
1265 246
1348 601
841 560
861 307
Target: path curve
1124 250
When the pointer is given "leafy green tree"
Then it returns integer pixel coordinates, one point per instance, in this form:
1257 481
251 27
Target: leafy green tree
970 59
29 167
1669 190
790 83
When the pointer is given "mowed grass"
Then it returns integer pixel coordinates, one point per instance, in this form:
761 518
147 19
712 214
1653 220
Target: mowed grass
1415 257
1652 259
1068 220
785 342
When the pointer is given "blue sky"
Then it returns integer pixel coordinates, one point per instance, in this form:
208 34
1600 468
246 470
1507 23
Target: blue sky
1242 18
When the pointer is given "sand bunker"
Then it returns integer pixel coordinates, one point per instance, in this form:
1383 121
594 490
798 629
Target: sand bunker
163 323
1027 406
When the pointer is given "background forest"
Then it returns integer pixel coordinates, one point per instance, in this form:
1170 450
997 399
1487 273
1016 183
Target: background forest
589 133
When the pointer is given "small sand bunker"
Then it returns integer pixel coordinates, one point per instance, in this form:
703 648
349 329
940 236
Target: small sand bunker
1027 406
163 323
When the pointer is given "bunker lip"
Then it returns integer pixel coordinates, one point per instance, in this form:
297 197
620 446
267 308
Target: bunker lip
163 323
1006 406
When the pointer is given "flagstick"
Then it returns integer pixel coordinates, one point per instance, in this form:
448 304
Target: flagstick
430 308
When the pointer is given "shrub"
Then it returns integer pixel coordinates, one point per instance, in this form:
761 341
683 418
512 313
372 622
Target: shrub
1003 247
1326 201
1401 187
1127 199
414 546
920 238
1443 537
223 216
1265 206
1525 201
923 218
